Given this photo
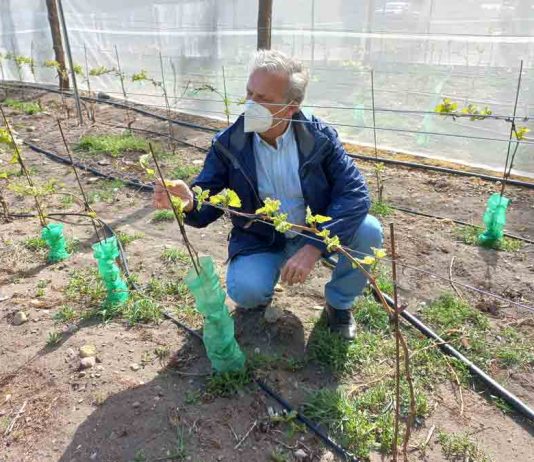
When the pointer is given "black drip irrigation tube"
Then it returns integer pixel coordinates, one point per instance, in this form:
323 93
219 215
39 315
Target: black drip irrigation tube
458 222
385 160
502 392
63 160
339 450
435 168
509 397
112 102
134 183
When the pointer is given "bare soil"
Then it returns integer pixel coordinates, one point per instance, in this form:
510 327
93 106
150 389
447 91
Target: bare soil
115 413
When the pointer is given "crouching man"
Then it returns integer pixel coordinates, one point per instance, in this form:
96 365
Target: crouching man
273 150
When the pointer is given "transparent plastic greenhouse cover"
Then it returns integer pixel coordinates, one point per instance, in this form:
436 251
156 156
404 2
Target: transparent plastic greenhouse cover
419 51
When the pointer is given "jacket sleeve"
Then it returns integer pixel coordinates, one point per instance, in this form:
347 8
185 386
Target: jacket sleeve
214 176
350 201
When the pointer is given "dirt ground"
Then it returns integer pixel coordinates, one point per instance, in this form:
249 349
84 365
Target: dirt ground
134 406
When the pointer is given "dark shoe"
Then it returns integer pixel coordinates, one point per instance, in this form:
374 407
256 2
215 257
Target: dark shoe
256 309
341 322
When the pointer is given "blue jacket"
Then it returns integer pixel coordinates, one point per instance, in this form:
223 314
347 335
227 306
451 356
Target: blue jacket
331 184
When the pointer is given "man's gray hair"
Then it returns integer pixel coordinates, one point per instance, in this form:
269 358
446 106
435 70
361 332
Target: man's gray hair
276 61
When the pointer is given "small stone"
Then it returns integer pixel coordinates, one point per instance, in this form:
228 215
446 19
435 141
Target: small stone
82 374
272 314
256 351
70 353
99 368
30 129
87 363
20 318
278 288
87 350
103 162
134 367
37 303
198 162
93 179
300 454
328 456
136 404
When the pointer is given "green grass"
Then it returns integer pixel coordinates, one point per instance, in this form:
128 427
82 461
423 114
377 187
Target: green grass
469 330
340 356
28 107
67 201
175 255
469 235
127 238
53 338
65 314
192 397
371 314
106 191
449 312
112 144
380 209
459 447
34 244
185 172
38 244
513 350
85 286
228 383
363 422
162 215
263 362
384 279
139 309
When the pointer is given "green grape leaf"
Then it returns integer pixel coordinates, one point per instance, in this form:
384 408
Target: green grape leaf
270 207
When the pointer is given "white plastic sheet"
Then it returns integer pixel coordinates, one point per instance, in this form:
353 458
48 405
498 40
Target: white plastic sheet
419 51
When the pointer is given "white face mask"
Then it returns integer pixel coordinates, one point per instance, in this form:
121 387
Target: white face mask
258 118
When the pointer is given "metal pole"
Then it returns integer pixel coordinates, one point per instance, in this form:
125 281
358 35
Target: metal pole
373 103
512 130
71 64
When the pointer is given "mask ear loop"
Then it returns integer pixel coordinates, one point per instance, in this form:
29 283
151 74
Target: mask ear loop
278 112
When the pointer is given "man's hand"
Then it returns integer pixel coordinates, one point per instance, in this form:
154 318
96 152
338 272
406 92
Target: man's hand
299 266
177 188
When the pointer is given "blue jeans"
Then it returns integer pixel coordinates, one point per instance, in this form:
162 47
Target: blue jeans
250 279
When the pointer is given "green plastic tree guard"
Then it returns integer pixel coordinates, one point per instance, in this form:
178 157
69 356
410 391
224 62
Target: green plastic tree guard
55 240
106 252
494 219
218 333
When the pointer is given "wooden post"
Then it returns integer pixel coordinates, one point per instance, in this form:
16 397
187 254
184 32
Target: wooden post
71 63
265 10
59 54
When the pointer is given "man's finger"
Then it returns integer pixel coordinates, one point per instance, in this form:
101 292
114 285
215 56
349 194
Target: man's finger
283 274
299 276
289 272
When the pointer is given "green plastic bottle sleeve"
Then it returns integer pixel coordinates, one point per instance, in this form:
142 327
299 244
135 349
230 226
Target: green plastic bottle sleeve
218 334
55 241
105 253
494 219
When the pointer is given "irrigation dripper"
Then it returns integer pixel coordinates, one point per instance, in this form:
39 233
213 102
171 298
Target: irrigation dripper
494 219
218 333
53 235
106 252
